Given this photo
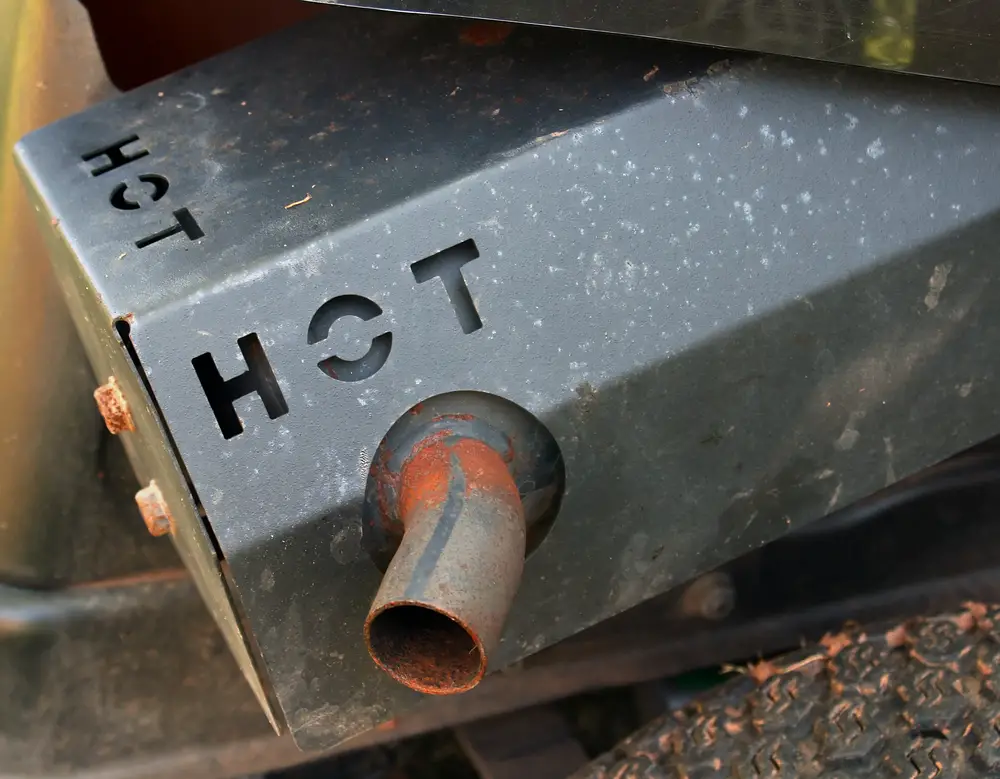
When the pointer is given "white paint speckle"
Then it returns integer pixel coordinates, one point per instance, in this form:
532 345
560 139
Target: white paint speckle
850 435
766 134
744 111
835 498
875 149
890 461
805 198
936 285
267 580
852 121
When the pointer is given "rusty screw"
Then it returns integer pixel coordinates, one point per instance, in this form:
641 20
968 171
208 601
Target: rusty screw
113 407
154 510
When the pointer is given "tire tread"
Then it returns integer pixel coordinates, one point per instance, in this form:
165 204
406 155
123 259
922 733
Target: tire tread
919 700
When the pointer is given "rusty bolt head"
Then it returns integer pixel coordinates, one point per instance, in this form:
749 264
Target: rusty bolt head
154 510
113 407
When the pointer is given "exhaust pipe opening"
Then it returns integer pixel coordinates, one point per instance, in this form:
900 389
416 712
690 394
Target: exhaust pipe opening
426 650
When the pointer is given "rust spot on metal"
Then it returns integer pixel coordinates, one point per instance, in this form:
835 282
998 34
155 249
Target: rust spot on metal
386 481
485 470
429 651
154 510
114 408
509 453
486 33
424 478
458 417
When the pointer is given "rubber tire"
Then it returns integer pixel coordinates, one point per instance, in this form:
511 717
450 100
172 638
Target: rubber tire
920 699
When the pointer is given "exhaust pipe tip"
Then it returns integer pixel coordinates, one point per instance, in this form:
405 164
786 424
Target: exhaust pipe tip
425 648
441 607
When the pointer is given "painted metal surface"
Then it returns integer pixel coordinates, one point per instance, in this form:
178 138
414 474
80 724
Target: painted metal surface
930 37
737 296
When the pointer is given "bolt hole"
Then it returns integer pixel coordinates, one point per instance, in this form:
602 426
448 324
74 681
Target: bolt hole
425 649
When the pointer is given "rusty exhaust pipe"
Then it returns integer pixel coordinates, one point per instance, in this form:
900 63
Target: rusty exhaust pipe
440 610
